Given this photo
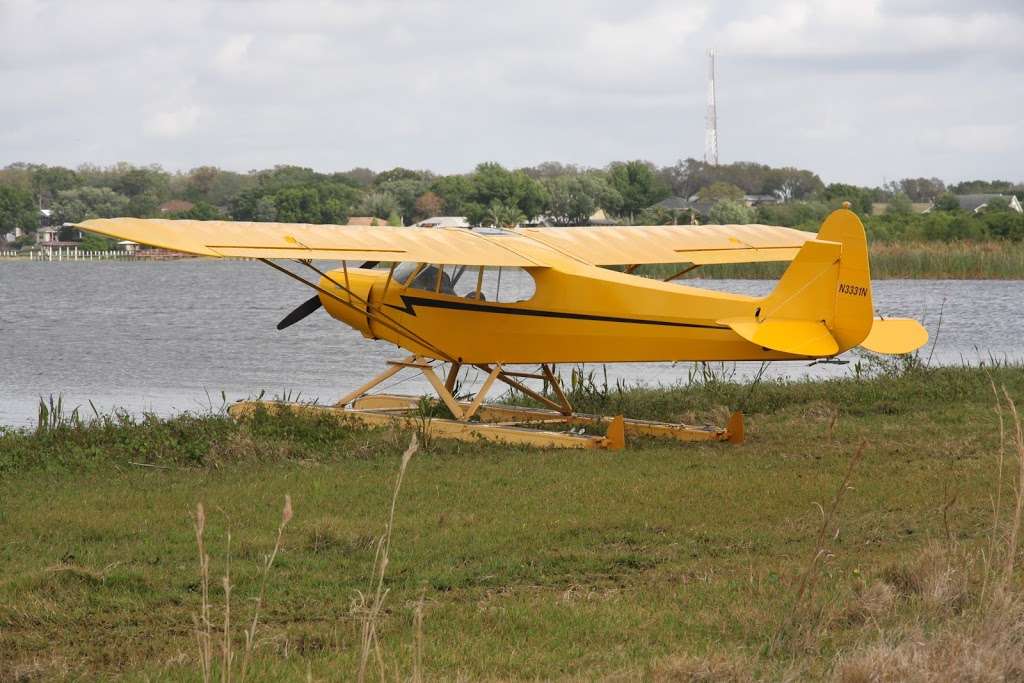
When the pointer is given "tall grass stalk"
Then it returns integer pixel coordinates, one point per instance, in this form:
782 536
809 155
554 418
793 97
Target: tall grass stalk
812 573
250 633
203 623
203 626
370 604
1011 553
225 643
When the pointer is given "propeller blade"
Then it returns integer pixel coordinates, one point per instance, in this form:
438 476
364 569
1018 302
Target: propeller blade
303 309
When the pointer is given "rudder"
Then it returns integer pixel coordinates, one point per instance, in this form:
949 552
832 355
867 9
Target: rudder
854 308
822 304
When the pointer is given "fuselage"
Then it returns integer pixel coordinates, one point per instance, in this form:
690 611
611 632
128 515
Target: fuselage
578 313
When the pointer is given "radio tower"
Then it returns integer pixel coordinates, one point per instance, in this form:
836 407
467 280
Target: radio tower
711 128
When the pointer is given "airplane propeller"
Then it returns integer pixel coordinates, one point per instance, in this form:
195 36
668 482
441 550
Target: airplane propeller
310 305
303 309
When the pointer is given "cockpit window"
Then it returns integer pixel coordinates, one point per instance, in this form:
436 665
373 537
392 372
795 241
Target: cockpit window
501 285
425 276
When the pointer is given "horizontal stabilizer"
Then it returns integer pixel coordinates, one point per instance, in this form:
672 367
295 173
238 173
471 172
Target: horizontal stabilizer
895 336
799 337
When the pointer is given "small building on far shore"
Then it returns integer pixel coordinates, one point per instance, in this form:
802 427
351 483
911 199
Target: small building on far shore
444 222
128 246
973 203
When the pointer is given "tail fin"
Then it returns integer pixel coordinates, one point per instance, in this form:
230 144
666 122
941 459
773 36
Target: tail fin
822 304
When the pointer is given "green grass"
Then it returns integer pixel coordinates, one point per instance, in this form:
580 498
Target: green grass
655 562
997 260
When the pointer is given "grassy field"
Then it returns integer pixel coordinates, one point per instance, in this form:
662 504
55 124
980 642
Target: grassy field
896 260
663 562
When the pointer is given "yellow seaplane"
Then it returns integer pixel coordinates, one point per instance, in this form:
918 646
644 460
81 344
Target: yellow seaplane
498 299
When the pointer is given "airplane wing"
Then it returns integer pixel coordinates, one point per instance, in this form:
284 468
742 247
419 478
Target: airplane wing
698 244
611 245
325 242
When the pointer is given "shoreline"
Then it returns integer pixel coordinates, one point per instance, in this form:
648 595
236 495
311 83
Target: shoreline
991 260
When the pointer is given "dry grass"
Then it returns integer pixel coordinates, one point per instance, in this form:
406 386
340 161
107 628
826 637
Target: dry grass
202 622
368 605
709 669
969 622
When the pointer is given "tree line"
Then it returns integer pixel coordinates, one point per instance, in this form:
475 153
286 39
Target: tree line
560 194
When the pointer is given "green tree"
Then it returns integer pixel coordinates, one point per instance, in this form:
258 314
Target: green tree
982 187
214 185
72 206
805 215
997 204
717 191
921 189
404 192
47 181
1004 224
572 199
264 210
137 181
455 191
730 212
297 205
947 201
860 198
284 176
790 184
899 204
637 187
200 211
492 182
379 204
504 215
17 210
399 173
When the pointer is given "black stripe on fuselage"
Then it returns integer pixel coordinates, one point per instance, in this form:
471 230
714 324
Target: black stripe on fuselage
412 301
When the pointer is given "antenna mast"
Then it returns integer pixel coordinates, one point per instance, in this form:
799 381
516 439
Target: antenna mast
711 128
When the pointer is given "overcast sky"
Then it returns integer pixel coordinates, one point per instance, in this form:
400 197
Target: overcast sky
856 91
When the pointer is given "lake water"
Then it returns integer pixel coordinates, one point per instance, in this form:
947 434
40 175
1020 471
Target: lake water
170 336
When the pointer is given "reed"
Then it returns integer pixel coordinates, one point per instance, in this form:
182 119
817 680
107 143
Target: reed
369 604
203 629
994 260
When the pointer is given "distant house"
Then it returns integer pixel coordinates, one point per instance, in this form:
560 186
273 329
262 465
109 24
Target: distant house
760 199
444 222
128 246
680 205
973 203
47 234
599 217
175 206
366 220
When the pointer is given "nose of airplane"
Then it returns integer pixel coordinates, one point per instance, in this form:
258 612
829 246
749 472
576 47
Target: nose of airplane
348 296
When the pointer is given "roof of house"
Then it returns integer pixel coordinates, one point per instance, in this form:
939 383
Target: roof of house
673 203
973 202
444 222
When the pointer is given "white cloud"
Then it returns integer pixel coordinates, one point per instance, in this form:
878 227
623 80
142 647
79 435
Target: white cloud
845 88
232 54
173 123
